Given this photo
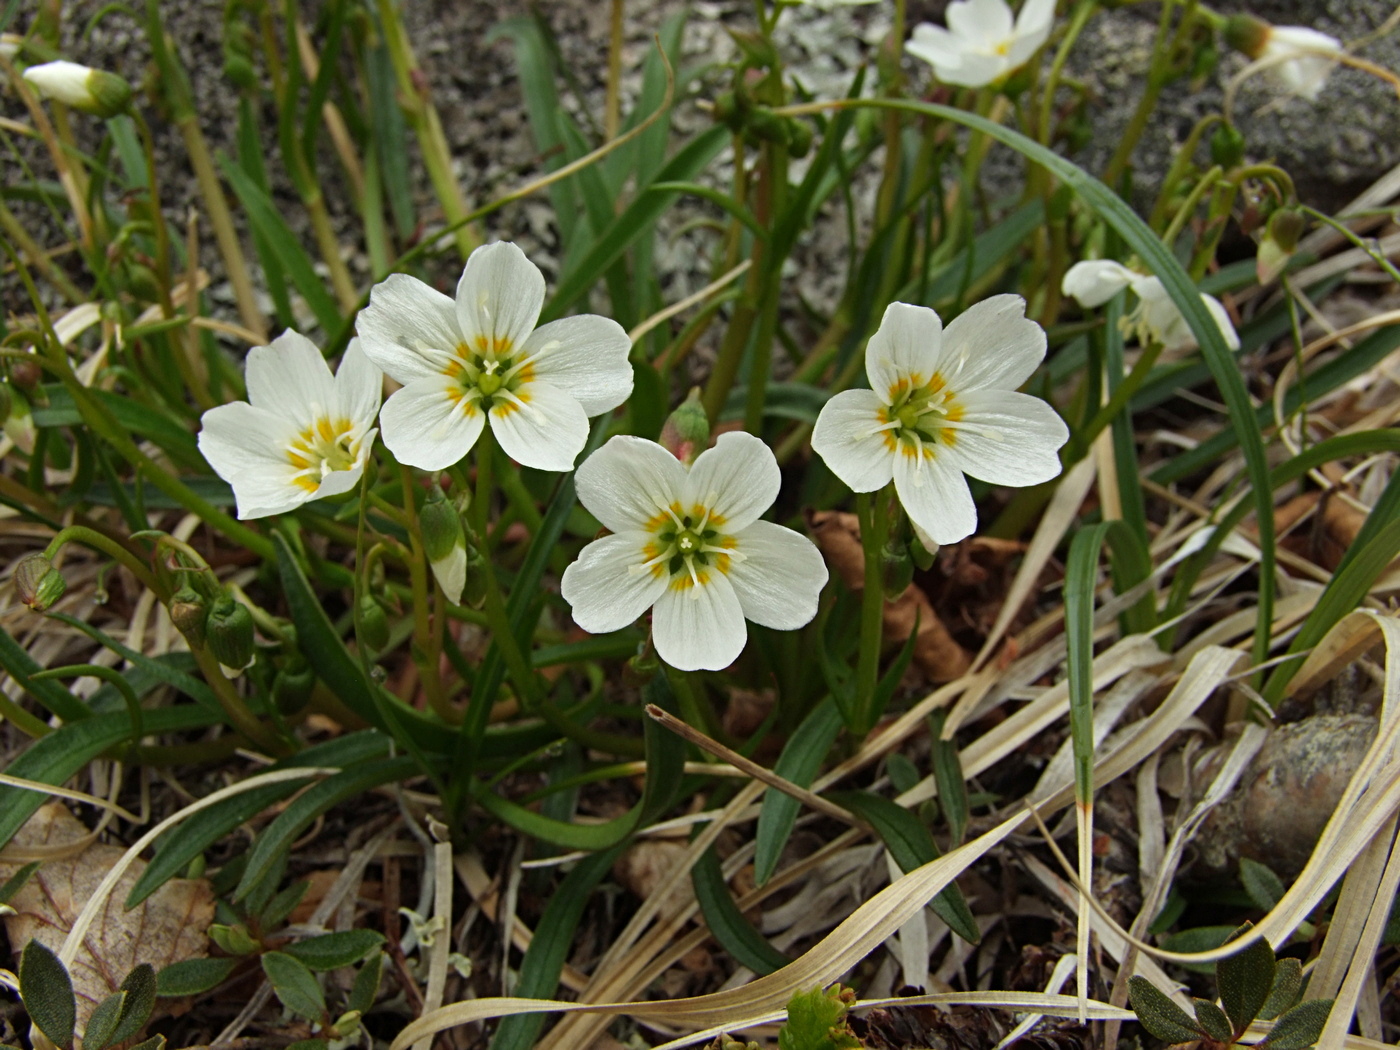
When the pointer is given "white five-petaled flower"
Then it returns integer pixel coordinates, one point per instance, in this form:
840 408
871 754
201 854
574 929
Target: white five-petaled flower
301 434
1156 317
944 404
982 42
689 543
481 358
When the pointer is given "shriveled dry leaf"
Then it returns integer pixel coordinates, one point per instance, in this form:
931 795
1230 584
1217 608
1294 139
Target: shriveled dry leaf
935 651
644 866
168 927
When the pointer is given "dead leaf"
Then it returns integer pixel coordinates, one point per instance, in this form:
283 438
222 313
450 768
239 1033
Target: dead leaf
936 652
167 927
642 868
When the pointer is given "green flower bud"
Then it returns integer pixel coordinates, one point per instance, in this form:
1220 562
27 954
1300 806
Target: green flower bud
922 556
1247 34
230 633
474 592
38 583
1286 226
799 138
93 91
1227 147
25 373
897 572
766 126
374 623
7 402
188 612
292 685
687 430
440 526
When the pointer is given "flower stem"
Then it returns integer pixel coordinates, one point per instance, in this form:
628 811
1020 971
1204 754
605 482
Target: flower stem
105 544
424 647
873 511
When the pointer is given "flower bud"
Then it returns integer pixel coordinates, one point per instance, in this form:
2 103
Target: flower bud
188 612
292 685
766 126
374 623
7 402
923 555
445 544
233 939
474 593
38 583
897 572
25 372
230 633
93 91
1227 147
687 429
1247 34
19 423
1278 244
799 138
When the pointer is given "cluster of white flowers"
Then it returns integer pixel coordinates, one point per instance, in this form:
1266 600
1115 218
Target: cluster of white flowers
1156 318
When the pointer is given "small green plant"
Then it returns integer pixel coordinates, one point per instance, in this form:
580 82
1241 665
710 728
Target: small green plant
1253 985
47 991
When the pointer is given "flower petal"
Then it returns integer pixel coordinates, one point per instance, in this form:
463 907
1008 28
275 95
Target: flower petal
238 437
426 426
359 386
1095 281
338 482
451 573
600 587
975 69
737 479
845 436
905 349
547 431
408 329
991 344
500 295
935 45
699 628
587 356
980 23
290 379
1009 438
1033 24
935 495
628 482
780 578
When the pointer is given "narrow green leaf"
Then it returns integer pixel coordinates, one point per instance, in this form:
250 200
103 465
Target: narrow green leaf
731 929
193 976
1159 1015
103 1022
1245 979
264 217
16 882
911 846
1265 888
295 985
948 776
156 1042
1213 1021
20 666
719 199
162 671
799 763
331 951
47 991
61 754
1301 1027
554 936
1288 983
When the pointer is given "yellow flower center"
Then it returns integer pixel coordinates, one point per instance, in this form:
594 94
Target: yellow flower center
921 414
326 446
688 546
489 374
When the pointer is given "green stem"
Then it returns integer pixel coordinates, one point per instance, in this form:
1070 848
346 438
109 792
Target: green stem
873 511
1078 20
105 544
424 646
237 711
481 499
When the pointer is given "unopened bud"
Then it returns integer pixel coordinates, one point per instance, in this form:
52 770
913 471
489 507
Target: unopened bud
7 402
923 550
1227 147
292 685
229 633
188 612
897 572
93 91
474 593
799 138
233 939
445 544
38 583
374 623
1247 34
1286 226
687 430
25 372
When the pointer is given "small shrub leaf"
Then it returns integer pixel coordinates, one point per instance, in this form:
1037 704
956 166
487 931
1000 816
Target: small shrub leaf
16 882
1301 1027
366 986
1244 981
47 991
156 1042
295 985
140 989
333 950
816 1021
1213 1020
1265 888
1159 1015
193 976
103 1023
1288 983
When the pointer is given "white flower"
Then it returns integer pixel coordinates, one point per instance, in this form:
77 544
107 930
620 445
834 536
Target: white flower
1156 317
981 43
1304 59
91 90
482 358
301 434
690 543
944 404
